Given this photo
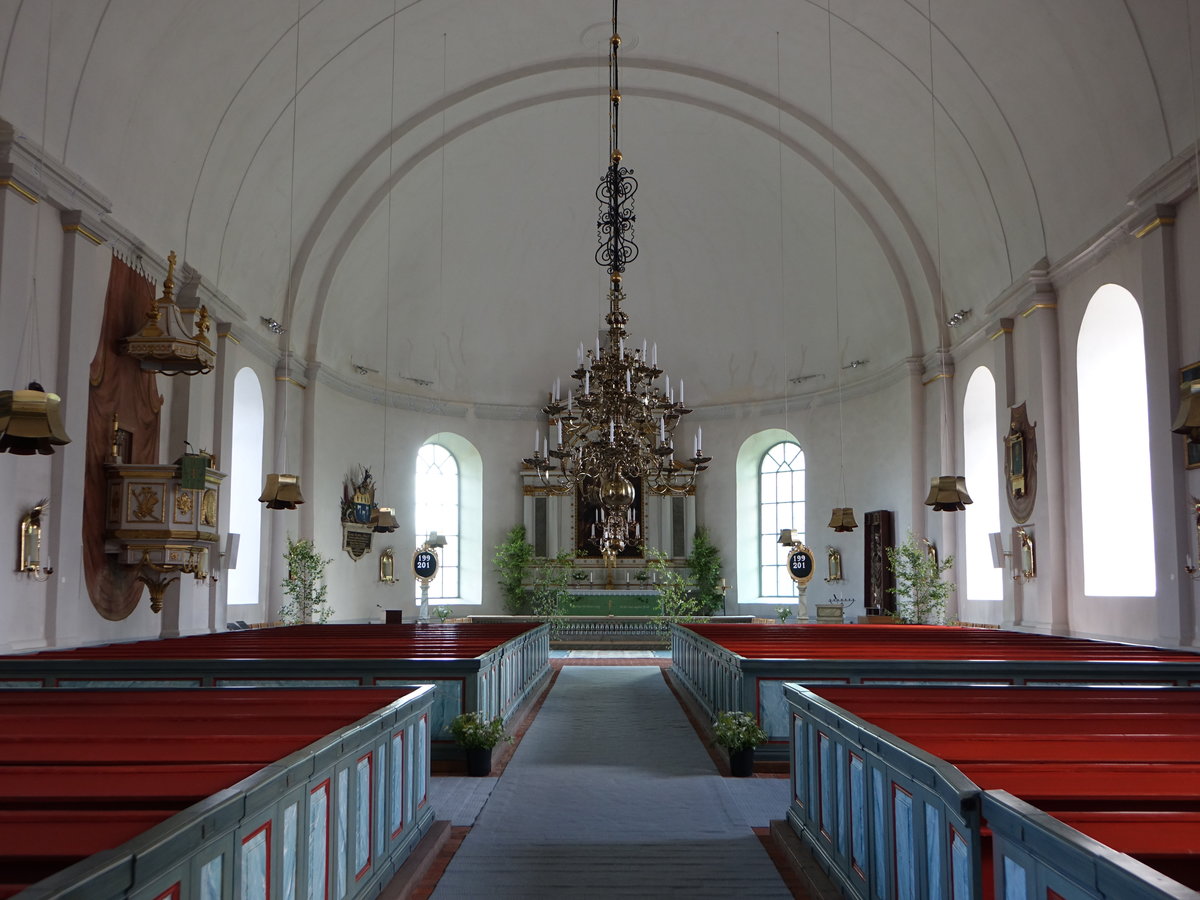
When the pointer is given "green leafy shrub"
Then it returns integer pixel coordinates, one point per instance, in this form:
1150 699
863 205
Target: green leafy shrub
513 559
737 730
305 585
474 732
921 593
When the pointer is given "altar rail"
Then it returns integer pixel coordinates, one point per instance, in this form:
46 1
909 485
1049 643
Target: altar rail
616 632
477 668
745 668
337 817
886 817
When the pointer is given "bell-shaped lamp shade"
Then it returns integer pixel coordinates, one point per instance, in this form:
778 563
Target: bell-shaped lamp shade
30 422
282 492
785 537
1187 421
948 493
842 519
383 519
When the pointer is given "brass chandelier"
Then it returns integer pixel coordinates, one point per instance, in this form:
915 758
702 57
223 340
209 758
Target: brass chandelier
618 424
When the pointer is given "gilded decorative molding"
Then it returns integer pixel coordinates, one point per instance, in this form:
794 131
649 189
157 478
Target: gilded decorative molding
1000 332
76 228
288 379
13 185
1153 224
936 377
1029 312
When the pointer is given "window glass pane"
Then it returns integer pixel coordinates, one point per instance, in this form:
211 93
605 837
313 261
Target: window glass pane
781 505
245 484
981 458
1114 448
437 509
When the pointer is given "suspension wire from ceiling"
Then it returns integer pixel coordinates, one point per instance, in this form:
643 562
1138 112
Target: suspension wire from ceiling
30 332
782 281
387 280
837 297
290 299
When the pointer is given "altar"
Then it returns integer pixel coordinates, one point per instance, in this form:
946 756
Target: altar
637 601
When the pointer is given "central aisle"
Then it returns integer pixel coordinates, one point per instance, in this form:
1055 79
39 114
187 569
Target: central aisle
610 794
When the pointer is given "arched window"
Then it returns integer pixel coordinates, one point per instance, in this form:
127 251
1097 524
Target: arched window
245 482
981 457
1114 449
781 505
437 509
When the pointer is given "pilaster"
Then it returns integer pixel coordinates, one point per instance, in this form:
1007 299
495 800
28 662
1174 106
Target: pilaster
1168 484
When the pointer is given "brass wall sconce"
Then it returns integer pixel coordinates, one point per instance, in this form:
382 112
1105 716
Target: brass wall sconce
1025 561
833 559
387 566
1194 570
30 558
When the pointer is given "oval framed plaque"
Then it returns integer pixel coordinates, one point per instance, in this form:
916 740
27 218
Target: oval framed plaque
424 564
801 565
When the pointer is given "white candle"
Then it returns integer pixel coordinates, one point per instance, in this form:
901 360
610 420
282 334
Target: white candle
610 431
681 390
581 353
699 440
560 432
668 389
643 349
536 440
597 346
628 383
587 382
558 389
696 446
654 356
545 447
662 431
570 399
621 344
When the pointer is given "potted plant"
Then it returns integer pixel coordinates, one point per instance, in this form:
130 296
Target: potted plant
477 736
305 585
784 613
704 562
443 613
512 559
920 589
738 733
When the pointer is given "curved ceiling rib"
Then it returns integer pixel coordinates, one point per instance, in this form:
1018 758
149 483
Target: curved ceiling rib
379 195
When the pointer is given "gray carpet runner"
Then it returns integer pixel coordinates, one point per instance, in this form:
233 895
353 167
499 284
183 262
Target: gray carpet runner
611 794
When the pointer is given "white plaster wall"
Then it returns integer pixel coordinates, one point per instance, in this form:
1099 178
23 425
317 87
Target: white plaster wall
877 435
1121 618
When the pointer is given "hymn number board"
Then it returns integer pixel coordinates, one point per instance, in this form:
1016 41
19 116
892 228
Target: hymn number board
425 564
801 565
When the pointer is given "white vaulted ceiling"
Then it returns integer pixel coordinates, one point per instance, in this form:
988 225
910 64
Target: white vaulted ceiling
1048 114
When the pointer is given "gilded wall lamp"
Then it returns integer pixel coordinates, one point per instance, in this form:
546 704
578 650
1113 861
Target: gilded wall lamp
29 560
1194 570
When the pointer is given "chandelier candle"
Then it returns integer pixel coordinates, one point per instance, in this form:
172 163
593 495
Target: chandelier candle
623 430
